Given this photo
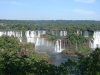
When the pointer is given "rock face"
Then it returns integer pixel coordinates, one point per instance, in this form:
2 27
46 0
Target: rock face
95 42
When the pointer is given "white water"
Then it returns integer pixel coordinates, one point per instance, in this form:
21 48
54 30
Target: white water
63 33
17 34
39 41
35 37
86 34
80 33
95 42
58 46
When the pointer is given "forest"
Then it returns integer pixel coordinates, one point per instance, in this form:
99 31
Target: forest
69 25
20 58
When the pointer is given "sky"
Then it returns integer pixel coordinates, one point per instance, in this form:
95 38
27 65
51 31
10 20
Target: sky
50 9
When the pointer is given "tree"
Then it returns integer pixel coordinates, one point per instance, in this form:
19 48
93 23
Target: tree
89 65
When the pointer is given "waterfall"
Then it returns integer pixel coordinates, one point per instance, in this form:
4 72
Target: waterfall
86 34
37 42
95 42
77 32
80 33
36 38
11 33
27 34
16 34
58 48
21 34
91 44
39 33
63 33
28 39
44 32
5 33
1 33
20 39
32 33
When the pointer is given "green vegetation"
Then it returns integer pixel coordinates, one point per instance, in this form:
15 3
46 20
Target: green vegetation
24 49
74 38
89 65
51 37
85 50
69 25
77 44
20 60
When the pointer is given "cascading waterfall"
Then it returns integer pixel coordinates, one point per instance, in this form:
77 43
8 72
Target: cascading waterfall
37 42
44 32
39 33
95 42
63 33
80 33
27 34
86 34
1 33
12 33
58 48
36 38
5 33
32 34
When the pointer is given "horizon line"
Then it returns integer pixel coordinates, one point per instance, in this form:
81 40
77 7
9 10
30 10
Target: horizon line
50 19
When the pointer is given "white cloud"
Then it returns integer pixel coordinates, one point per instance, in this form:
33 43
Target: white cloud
84 12
86 1
15 3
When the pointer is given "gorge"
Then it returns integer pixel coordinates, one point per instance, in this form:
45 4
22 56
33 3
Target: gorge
39 39
56 41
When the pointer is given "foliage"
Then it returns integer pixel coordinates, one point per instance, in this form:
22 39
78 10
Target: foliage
85 50
89 65
69 25
17 58
68 67
8 43
13 62
52 37
74 38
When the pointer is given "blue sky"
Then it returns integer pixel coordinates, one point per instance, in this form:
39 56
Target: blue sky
50 9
